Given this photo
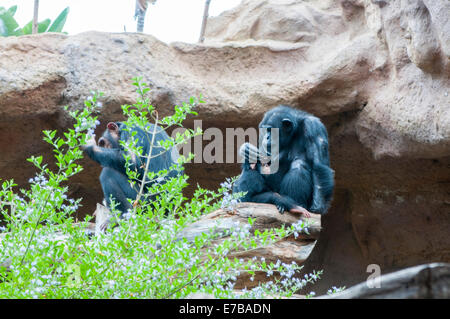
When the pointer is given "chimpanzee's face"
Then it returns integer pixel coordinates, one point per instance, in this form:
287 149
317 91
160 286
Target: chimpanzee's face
276 130
111 136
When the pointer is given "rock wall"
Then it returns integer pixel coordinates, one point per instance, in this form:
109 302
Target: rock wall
376 72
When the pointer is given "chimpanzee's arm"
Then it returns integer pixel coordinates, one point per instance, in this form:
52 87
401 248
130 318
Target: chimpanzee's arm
107 157
317 154
250 182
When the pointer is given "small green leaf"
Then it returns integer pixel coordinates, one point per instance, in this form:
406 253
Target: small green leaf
12 10
28 28
8 25
43 26
59 22
60 143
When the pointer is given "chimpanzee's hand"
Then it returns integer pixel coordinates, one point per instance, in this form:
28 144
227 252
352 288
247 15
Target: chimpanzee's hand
249 153
104 226
282 203
91 141
281 208
109 222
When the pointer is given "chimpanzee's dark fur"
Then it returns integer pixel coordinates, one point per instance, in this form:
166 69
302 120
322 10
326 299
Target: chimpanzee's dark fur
110 155
304 177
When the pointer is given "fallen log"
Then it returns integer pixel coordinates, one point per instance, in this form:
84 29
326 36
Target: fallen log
265 216
431 281
223 222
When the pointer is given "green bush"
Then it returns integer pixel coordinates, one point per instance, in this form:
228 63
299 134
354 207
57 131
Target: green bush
44 254
10 27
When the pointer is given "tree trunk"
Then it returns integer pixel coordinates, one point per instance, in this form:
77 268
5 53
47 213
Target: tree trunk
139 14
35 17
140 21
205 18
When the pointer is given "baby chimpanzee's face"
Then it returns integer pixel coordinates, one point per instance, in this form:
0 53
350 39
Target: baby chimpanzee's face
103 142
111 136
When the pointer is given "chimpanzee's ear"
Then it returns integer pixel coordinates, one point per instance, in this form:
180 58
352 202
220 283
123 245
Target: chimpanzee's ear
287 123
112 126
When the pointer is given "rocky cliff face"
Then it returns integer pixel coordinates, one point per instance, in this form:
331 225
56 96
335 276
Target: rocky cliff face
376 72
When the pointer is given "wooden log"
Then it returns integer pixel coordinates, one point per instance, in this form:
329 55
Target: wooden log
424 281
102 217
223 222
266 216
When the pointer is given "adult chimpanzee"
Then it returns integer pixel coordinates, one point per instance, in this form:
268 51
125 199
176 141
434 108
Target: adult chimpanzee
302 181
110 154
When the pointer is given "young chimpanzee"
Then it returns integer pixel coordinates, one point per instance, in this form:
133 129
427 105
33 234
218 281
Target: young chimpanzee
255 179
110 155
302 181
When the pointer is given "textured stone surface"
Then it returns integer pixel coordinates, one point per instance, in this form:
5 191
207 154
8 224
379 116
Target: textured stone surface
376 72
